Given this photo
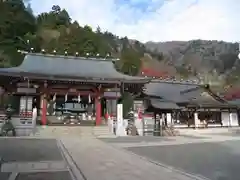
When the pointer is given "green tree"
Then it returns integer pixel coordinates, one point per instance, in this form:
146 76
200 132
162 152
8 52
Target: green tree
54 30
130 61
15 22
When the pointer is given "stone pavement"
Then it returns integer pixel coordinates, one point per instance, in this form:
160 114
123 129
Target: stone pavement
89 158
213 160
174 140
73 131
31 159
62 131
99 161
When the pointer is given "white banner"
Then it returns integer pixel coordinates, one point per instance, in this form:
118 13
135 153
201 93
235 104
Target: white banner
234 119
120 114
120 131
169 119
225 118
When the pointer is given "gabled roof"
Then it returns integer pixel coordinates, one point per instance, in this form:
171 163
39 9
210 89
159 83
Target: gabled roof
185 94
69 67
168 90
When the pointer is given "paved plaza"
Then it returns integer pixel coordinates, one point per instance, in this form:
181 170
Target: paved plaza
135 139
25 150
79 157
31 159
212 156
216 161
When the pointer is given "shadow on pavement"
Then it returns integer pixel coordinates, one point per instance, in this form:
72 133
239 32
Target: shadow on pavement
44 176
12 150
216 161
4 176
135 139
193 137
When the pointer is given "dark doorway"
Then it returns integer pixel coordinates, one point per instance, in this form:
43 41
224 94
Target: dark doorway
104 106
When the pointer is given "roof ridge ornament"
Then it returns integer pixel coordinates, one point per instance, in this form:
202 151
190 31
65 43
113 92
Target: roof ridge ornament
75 56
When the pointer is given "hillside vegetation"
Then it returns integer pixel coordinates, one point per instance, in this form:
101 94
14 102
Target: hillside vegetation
203 61
214 62
55 30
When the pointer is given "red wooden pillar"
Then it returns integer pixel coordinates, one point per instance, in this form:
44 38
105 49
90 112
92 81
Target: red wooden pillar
44 110
98 109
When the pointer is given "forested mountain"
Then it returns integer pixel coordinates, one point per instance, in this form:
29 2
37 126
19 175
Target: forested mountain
55 30
213 62
205 61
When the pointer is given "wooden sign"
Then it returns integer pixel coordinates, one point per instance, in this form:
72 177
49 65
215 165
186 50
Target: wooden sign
72 90
26 90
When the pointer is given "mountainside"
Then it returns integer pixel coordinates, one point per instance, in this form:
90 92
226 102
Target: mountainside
56 32
214 62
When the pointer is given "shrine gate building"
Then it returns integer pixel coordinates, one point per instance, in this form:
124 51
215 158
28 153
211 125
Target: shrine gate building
65 84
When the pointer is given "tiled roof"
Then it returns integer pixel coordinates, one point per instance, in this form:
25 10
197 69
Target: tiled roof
69 67
183 93
168 90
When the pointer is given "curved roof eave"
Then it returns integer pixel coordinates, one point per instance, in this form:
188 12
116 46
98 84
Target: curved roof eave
73 68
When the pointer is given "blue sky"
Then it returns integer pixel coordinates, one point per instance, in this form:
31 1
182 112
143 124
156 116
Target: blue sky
155 20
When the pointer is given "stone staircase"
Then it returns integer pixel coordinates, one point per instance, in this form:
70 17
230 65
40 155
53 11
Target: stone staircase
72 131
102 132
62 131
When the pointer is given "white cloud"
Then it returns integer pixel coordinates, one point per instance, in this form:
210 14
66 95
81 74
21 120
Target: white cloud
157 20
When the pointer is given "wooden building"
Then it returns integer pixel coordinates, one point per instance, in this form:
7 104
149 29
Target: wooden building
53 82
189 105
